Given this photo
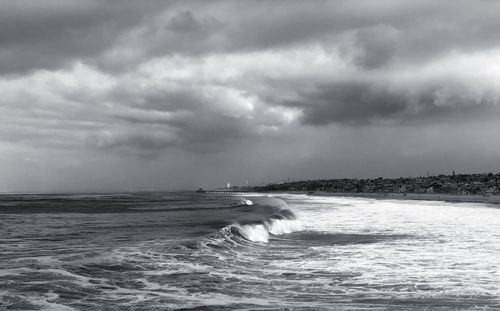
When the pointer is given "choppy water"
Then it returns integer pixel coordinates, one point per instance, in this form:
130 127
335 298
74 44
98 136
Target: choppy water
166 251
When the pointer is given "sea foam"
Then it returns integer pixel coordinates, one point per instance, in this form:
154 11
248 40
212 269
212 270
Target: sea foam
262 232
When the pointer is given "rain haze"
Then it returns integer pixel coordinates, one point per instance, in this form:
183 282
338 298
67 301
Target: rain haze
168 95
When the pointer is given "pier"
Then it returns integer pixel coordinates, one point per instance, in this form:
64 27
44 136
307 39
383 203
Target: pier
222 191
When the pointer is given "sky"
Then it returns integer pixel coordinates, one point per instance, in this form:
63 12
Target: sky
122 95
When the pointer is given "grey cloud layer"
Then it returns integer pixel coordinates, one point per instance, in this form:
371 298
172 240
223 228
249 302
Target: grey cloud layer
41 35
36 35
146 76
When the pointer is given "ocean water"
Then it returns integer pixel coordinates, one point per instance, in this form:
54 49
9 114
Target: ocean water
181 251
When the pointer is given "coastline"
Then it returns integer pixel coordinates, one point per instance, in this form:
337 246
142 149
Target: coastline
471 198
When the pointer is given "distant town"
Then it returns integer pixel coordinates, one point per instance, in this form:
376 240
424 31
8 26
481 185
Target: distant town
458 184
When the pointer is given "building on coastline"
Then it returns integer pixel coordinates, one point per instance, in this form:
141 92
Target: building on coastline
461 184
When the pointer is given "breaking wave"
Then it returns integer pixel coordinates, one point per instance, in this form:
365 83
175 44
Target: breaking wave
248 202
262 232
278 220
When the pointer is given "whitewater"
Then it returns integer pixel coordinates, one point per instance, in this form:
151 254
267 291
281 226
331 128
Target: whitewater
172 251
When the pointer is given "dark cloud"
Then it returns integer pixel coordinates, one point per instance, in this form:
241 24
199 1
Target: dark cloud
199 130
184 22
376 46
52 33
363 103
348 102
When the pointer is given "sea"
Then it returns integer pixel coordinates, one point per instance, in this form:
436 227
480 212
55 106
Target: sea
190 251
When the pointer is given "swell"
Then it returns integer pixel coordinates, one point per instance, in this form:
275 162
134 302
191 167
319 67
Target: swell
276 218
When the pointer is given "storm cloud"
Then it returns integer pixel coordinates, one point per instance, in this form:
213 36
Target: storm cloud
196 92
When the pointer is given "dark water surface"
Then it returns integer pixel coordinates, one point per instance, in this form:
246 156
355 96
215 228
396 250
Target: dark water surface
168 251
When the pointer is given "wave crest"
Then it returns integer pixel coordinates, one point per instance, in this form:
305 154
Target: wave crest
262 232
246 202
282 222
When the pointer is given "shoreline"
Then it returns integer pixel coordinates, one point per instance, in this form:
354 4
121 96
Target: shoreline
457 198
